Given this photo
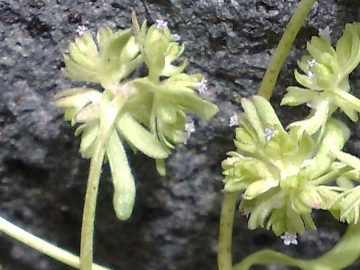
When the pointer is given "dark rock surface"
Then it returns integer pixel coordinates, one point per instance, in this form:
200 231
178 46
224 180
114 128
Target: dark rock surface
175 223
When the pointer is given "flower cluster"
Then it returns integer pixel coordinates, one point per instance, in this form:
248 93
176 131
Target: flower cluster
282 176
325 79
149 112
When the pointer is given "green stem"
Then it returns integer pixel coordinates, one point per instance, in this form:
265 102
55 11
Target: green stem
331 176
87 228
109 113
43 246
343 254
225 231
277 60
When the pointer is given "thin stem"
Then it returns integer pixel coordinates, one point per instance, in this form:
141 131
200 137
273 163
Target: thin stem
343 254
43 246
87 228
331 176
277 60
109 114
225 231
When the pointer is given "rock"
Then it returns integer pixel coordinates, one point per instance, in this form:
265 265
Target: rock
175 222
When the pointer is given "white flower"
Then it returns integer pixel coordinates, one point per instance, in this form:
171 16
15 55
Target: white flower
312 63
269 133
289 238
176 37
161 24
325 33
234 120
202 86
189 128
310 74
80 29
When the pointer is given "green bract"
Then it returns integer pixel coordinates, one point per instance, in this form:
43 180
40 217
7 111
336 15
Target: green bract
283 176
148 113
325 79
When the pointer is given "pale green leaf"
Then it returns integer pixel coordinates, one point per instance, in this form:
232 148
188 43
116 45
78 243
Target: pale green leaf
140 137
266 112
123 181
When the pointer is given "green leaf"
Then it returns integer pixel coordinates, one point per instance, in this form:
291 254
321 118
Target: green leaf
259 187
296 96
346 158
140 137
88 137
167 111
350 102
317 119
253 117
88 113
110 64
123 181
307 81
83 55
336 134
160 167
77 72
348 48
185 99
103 37
266 112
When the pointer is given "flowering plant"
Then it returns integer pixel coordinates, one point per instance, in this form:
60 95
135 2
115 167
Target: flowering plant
148 113
282 174
285 174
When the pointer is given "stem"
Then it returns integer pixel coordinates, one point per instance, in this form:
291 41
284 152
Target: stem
277 60
87 228
45 247
331 176
109 113
225 231
343 254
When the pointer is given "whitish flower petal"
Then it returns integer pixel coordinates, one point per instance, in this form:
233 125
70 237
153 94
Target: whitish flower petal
269 133
325 33
161 24
234 120
81 29
189 128
202 86
176 37
289 238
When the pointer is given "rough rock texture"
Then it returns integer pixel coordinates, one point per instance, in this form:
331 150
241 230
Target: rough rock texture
175 223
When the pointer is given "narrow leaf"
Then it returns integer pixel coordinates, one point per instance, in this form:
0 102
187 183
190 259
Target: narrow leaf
123 181
140 137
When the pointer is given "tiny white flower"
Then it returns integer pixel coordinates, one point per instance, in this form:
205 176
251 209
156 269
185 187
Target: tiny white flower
312 62
289 238
80 29
202 86
161 24
310 74
269 133
176 37
234 120
325 33
189 128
